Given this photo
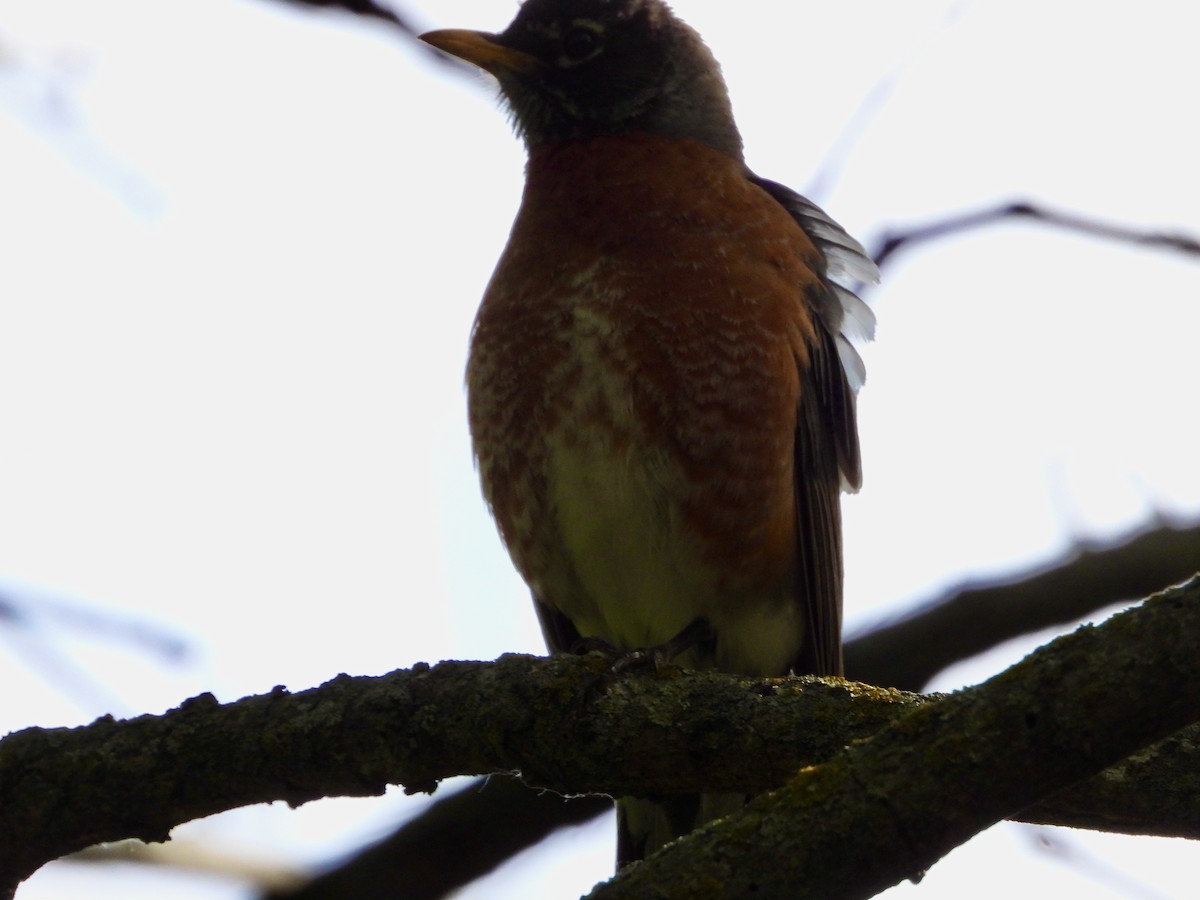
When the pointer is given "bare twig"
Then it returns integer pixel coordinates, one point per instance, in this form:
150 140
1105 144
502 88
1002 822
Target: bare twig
891 242
372 10
368 8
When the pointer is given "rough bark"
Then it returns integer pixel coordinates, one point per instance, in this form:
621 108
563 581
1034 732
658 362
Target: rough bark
568 725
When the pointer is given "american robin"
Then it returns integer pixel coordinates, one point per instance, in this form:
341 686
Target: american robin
660 387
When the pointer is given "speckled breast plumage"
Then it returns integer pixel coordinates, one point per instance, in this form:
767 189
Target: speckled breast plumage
634 395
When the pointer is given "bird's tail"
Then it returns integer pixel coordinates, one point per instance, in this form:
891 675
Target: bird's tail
645 825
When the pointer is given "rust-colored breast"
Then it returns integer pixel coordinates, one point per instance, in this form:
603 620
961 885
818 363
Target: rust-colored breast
648 323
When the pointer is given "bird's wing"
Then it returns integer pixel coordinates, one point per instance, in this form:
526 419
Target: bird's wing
826 456
826 448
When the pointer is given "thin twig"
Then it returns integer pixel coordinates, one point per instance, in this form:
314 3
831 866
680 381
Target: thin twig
890 242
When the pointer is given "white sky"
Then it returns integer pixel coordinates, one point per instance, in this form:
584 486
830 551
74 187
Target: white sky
240 251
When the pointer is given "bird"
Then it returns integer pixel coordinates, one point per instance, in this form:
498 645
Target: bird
662 377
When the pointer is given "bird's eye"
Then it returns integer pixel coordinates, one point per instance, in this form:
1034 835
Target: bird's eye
580 44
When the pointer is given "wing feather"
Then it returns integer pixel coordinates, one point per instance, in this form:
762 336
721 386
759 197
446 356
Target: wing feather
826 448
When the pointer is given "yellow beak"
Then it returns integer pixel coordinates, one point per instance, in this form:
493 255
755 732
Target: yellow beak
480 49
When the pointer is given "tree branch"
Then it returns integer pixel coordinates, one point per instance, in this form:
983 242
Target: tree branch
564 723
938 775
978 616
970 620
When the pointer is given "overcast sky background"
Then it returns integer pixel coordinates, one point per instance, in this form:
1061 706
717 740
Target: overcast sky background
240 250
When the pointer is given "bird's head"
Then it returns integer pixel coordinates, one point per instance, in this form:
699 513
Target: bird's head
589 68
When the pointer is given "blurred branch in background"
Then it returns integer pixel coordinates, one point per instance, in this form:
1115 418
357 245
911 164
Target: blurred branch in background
41 91
447 846
31 624
373 10
892 242
1063 849
972 619
206 857
367 8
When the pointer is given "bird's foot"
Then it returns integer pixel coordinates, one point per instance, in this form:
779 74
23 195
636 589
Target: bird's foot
642 659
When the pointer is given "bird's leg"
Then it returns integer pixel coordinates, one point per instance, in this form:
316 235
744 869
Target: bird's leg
586 645
696 632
